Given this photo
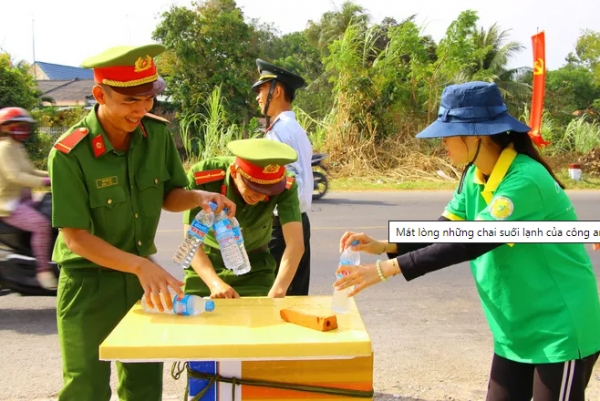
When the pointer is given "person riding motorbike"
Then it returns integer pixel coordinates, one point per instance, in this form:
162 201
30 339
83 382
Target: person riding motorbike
17 177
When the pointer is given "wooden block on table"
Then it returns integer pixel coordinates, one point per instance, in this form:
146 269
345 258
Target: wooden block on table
316 320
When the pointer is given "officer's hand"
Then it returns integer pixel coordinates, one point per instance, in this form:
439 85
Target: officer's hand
156 281
595 247
276 293
365 243
222 290
205 197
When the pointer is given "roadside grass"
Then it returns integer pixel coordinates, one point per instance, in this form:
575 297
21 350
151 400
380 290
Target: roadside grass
391 184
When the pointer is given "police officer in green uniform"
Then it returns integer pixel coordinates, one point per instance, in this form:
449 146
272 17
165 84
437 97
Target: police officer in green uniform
111 175
256 180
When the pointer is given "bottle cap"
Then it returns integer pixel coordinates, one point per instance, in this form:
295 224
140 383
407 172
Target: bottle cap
212 205
355 242
209 306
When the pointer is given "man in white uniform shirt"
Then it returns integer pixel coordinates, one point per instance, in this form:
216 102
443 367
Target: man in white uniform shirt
276 89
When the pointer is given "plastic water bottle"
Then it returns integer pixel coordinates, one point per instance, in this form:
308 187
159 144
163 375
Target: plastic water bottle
245 267
340 302
193 239
188 305
230 251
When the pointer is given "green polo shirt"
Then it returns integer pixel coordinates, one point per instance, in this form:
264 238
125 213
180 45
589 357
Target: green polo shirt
256 222
540 300
117 196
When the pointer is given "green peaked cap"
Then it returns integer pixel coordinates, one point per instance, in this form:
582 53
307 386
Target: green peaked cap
263 152
122 55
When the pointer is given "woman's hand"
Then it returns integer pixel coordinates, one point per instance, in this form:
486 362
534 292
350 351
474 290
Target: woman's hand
359 276
365 243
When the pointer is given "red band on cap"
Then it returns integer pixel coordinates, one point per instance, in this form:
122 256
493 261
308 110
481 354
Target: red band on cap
270 174
143 72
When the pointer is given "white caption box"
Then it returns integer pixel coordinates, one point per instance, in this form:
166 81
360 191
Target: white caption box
479 231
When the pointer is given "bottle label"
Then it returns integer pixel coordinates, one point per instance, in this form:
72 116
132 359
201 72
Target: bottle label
181 306
238 235
198 229
223 229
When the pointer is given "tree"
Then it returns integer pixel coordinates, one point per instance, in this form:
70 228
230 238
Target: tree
587 53
570 90
17 86
494 52
208 46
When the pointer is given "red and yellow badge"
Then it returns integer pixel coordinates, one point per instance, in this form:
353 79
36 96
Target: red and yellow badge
142 64
98 146
501 208
271 169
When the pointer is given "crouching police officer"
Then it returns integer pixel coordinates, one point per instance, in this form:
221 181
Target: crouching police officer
255 179
111 175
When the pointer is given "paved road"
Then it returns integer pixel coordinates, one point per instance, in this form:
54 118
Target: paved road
430 339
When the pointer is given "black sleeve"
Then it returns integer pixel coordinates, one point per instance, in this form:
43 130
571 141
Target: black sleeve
416 260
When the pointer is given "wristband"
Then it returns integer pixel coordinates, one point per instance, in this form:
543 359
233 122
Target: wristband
379 272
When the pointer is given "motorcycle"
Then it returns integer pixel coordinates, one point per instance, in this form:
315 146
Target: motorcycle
17 263
321 184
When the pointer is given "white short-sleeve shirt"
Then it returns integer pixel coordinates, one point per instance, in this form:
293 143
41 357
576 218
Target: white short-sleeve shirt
286 129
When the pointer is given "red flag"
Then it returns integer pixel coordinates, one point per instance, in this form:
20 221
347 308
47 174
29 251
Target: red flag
539 84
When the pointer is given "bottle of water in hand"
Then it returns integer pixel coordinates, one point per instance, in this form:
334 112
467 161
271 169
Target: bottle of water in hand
193 239
244 267
340 302
188 305
230 251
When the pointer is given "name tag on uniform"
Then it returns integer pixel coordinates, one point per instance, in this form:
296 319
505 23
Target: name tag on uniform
106 182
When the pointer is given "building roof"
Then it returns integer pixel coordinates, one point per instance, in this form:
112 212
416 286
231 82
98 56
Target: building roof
68 92
59 72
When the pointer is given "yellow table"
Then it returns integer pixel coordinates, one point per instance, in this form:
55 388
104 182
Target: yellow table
247 339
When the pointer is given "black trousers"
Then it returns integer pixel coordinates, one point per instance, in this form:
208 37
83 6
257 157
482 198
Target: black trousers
565 381
301 281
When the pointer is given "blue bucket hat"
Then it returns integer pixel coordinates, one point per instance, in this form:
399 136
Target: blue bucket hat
472 108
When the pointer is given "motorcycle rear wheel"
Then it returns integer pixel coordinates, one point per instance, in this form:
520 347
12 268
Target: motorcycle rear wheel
321 185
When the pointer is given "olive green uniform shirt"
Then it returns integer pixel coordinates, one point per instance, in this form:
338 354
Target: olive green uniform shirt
116 196
540 300
256 222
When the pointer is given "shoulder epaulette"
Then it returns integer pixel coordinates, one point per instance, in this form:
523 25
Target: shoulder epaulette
203 177
158 118
67 144
288 182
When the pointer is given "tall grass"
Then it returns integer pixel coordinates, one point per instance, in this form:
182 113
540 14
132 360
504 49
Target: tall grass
205 131
315 129
581 135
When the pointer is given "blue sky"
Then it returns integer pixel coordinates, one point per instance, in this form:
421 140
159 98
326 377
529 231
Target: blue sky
68 31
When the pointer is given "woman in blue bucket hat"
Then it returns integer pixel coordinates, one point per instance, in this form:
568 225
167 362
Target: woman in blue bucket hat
540 299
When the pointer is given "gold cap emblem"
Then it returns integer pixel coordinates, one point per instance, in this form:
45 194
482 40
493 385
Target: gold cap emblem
143 63
271 169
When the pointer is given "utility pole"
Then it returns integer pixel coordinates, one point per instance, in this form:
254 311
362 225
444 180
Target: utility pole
33 37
